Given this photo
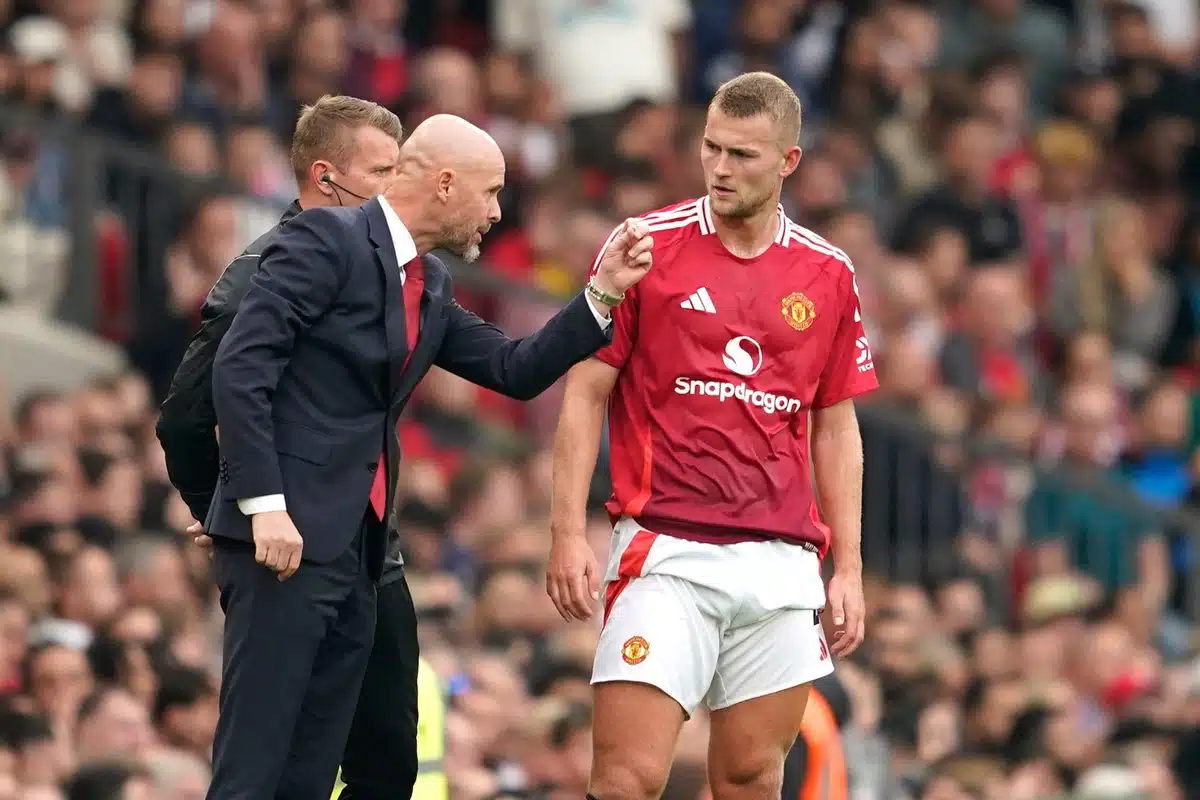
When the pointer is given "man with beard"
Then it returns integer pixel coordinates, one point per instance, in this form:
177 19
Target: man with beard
346 313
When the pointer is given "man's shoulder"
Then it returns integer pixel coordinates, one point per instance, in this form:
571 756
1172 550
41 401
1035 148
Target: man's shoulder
678 221
229 289
328 217
255 248
437 261
692 205
226 294
803 249
673 228
439 269
330 229
669 226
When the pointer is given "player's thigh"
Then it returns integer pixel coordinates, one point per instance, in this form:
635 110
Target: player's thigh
624 765
654 664
749 741
784 648
759 694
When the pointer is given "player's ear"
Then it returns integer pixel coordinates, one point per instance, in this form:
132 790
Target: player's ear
791 160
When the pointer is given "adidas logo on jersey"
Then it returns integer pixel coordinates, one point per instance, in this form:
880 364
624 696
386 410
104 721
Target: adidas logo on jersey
700 301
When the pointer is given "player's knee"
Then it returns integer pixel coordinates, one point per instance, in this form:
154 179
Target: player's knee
748 775
633 779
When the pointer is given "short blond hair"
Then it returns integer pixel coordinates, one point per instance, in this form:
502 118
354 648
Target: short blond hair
324 128
755 93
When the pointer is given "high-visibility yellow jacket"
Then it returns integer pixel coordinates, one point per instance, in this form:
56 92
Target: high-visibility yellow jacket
431 739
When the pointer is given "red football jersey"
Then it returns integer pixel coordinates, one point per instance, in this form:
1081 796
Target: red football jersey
721 359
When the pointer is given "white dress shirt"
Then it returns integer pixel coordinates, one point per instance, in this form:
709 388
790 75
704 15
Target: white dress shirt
406 251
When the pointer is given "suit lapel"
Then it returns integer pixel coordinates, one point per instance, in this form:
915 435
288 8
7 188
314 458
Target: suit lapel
393 302
429 335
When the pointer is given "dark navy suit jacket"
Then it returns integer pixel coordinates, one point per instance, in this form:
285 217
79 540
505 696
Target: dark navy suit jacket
311 377
187 420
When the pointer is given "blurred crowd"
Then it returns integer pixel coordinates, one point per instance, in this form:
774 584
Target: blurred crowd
1017 181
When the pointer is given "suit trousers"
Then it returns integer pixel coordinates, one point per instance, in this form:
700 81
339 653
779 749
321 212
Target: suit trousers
381 754
294 658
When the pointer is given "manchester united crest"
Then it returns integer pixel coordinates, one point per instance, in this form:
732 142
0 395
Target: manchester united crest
799 311
635 650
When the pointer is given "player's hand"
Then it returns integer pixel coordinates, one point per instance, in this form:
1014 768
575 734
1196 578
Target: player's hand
849 612
573 577
627 258
277 543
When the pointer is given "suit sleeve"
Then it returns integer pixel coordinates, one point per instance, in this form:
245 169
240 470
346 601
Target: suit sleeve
187 424
849 370
520 368
298 279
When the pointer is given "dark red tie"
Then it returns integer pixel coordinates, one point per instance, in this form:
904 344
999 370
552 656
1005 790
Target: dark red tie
414 285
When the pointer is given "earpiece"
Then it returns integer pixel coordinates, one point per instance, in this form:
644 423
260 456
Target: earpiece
335 186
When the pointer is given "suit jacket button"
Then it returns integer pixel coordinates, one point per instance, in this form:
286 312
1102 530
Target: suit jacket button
373 466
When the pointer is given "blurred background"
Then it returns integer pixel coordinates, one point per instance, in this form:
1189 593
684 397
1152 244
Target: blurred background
1017 182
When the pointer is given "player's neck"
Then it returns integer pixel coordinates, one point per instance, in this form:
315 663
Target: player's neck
748 237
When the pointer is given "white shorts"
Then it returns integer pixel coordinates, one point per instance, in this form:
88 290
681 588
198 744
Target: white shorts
720 624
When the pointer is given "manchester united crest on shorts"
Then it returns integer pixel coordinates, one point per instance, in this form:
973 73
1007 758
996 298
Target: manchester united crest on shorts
799 311
635 650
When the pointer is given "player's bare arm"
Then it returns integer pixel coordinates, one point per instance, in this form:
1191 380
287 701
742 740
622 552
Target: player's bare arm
573 576
838 465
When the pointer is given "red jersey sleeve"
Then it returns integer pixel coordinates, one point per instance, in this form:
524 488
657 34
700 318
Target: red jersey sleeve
850 370
624 319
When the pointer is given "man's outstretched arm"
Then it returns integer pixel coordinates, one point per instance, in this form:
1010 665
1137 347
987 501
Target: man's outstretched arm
524 368
485 355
